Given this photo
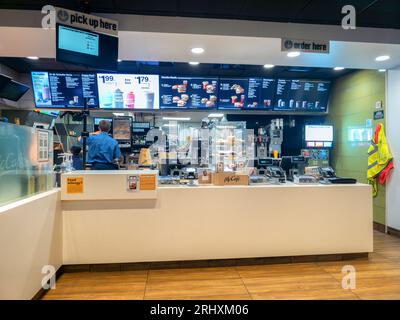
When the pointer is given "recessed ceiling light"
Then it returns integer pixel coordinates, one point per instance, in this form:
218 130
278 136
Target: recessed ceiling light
176 118
382 58
197 50
194 63
293 54
33 57
338 68
382 70
216 115
119 60
268 66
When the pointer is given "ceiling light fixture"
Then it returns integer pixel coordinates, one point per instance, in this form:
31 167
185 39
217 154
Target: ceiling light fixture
268 66
197 50
338 68
176 119
382 58
33 58
382 70
119 60
194 63
293 54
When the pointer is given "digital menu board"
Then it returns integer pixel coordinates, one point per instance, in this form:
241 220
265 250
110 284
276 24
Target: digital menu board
64 89
188 92
302 95
260 94
249 93
233 93
128 91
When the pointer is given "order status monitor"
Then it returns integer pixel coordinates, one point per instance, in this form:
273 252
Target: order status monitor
319 136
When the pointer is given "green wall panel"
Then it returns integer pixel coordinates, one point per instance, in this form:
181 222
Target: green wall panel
352 103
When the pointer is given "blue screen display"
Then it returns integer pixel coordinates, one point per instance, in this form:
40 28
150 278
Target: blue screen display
78 41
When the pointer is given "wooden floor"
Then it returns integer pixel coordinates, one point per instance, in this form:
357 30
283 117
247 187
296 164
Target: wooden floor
376 278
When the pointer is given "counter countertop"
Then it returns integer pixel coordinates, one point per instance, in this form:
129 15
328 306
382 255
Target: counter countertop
285 185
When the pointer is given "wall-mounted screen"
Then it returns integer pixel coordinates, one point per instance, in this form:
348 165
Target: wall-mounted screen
261 94
140 127
97 120
302 95
4 80
249 93
188 92
13 90
319 136
128 91
64 89
84 47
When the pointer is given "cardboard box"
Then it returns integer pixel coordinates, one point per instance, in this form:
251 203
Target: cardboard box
230 179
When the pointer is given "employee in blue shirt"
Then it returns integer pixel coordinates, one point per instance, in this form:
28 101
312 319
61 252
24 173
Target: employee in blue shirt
103 151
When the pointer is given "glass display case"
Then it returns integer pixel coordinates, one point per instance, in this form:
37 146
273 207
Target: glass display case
228 146
26 162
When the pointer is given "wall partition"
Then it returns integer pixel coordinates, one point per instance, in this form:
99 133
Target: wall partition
26 162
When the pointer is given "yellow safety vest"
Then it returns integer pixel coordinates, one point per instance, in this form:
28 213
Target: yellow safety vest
379 156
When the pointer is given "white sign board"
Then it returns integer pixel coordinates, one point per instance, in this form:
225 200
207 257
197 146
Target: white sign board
86 21
311 46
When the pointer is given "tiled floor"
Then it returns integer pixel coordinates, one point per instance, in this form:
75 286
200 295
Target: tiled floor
376 278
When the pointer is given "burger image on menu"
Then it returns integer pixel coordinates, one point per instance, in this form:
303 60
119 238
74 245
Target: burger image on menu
239 98
210 89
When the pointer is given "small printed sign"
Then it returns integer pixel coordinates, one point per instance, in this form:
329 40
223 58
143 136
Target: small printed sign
133 183
379 115
147 182
314 46
75 185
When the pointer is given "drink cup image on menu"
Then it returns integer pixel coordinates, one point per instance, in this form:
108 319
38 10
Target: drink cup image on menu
130 100
149 99
267 103
118 99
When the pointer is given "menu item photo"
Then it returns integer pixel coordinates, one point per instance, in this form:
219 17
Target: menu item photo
128 91
233 93
188 92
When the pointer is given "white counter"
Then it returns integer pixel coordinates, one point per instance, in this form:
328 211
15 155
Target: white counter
212 222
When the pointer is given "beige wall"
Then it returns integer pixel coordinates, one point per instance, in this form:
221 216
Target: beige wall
30 237
352 102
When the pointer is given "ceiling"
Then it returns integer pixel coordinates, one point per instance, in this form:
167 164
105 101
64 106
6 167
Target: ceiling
370 13
24 65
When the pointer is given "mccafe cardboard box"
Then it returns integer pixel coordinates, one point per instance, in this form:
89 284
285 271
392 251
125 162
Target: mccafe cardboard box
230 179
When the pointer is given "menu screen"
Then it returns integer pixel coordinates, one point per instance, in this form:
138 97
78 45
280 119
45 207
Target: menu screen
188 92
233 93
260 94
128 91
302 95
64 90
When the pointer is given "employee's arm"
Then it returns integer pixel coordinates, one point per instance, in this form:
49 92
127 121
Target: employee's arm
90 134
